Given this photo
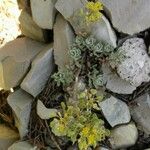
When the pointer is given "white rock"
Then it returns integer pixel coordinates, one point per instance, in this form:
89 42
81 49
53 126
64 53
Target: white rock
63 38
19 53
20 102
141 112
45 113
41 69
124 136
43 13
114 83
22 146
125 14
136 66
7 137
103 31
115 111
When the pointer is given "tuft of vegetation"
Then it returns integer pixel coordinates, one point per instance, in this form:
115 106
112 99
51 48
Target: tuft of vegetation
63 77
79 123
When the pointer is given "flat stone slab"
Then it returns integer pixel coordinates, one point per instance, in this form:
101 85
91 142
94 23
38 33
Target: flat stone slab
128 16
115 111
41 69
20 102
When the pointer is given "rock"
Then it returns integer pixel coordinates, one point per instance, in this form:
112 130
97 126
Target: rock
20 102
41 69
43 13
135 68
103 31
9 23
125 17
102 148
22 146
114 83
7 137
15 57
141 112
29 28
124 136
45 113
68 7
115 111
63 38
14 71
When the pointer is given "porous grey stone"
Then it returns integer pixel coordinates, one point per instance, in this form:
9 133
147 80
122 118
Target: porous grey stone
20 102
140 112
115 111
43 13
22 145
63 38
125 15
41 68
15 57
124 136
114 83
135 68
7 137
45 113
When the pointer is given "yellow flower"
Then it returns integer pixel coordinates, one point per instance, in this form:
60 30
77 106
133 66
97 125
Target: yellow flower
91 140
85 131
97 6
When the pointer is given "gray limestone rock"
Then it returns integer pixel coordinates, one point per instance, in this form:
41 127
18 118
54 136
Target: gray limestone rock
63 38
15 58
22 145
20 102
7 137
14 71
124 136
43 13
141 112
41 68
125 14
114 83
115 111
45 113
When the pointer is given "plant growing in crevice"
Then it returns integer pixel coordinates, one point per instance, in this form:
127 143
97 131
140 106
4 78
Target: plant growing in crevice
63 77
79 123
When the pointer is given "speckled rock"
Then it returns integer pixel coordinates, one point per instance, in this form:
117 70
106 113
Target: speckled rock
114 83
140 112
115 111
135 68
124 136
125 14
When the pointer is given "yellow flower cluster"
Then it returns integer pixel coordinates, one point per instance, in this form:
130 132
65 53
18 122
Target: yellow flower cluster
93 11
